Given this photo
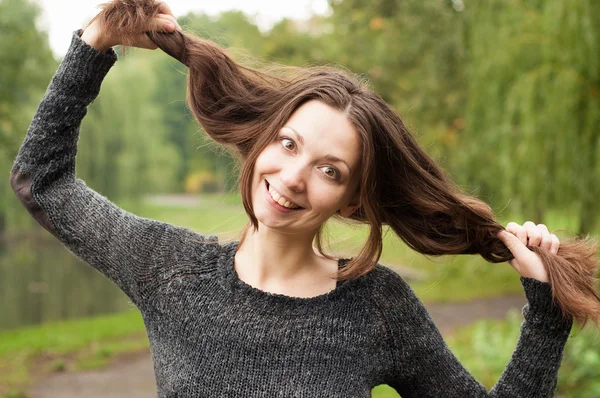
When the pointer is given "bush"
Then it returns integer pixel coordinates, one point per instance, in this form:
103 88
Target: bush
202 181
485 348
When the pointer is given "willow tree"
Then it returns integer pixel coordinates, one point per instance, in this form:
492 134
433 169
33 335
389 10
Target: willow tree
123 149
195 150
412 52
533 113
25 70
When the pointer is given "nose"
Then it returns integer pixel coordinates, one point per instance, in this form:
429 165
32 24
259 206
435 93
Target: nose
292 175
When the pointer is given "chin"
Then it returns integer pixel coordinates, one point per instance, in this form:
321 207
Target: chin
266 220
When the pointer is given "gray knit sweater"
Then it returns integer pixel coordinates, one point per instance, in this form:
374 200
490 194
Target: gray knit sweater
213 335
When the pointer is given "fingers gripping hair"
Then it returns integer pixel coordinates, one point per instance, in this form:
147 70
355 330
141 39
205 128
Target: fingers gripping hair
126 18
227 99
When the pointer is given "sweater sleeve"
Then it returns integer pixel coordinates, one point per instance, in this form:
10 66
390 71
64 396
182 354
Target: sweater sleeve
126 248
425 367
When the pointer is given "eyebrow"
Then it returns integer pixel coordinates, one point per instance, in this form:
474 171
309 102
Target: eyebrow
328 157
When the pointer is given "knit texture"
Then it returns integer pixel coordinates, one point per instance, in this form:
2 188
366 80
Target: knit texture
213 335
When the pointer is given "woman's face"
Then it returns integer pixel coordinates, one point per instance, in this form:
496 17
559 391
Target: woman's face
314 164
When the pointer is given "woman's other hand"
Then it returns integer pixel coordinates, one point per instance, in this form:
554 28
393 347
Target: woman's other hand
518 238
102 40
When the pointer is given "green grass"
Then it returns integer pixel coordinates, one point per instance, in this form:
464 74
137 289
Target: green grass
217 214
31 352
66 336
384 392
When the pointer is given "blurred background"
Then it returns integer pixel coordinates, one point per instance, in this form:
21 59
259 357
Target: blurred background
504 94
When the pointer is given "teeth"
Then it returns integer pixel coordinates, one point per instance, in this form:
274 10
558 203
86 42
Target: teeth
279 199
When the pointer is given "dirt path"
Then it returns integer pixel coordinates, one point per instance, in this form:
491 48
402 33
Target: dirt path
135 378
131 379
448 317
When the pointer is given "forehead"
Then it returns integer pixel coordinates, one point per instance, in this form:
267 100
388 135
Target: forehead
327 131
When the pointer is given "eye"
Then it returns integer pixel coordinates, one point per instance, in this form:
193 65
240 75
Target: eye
331 172
287 143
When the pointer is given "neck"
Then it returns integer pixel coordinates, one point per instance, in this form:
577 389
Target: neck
267 257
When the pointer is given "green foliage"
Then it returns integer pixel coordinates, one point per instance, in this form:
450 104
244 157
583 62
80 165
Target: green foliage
302 44
533 111
196 151
413 54
123 150
580 371
503 94
485 348
198 182
26 67
228 29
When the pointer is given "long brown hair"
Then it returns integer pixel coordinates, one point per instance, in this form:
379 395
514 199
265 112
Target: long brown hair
400 186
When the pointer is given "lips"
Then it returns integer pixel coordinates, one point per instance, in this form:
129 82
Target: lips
279 196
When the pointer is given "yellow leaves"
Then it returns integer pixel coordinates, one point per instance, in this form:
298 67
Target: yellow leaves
6 124
200 181
459 123
449 136
594 91
376 23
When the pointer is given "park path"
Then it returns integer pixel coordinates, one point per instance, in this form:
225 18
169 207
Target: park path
134 378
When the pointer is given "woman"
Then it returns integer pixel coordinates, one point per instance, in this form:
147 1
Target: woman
270 316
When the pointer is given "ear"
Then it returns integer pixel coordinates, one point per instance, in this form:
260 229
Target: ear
350 208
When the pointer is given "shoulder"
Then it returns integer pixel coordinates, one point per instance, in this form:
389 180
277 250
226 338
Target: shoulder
392 293
190 252
386 280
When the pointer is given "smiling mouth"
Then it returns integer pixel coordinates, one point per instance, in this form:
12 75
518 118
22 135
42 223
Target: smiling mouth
287 204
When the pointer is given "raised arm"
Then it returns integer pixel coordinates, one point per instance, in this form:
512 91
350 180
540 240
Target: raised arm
425 366
130 250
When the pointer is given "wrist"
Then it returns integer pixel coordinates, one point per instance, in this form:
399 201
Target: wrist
93 39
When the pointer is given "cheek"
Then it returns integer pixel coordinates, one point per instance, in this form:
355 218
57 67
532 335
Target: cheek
327 199
265 162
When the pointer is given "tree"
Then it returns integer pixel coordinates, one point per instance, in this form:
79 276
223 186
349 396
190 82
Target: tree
25 71
533 115
123 149
413 53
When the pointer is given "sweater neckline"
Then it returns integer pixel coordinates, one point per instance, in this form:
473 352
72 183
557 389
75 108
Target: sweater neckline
273 302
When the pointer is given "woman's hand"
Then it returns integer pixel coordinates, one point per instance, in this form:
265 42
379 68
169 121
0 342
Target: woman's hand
517 238
103 40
